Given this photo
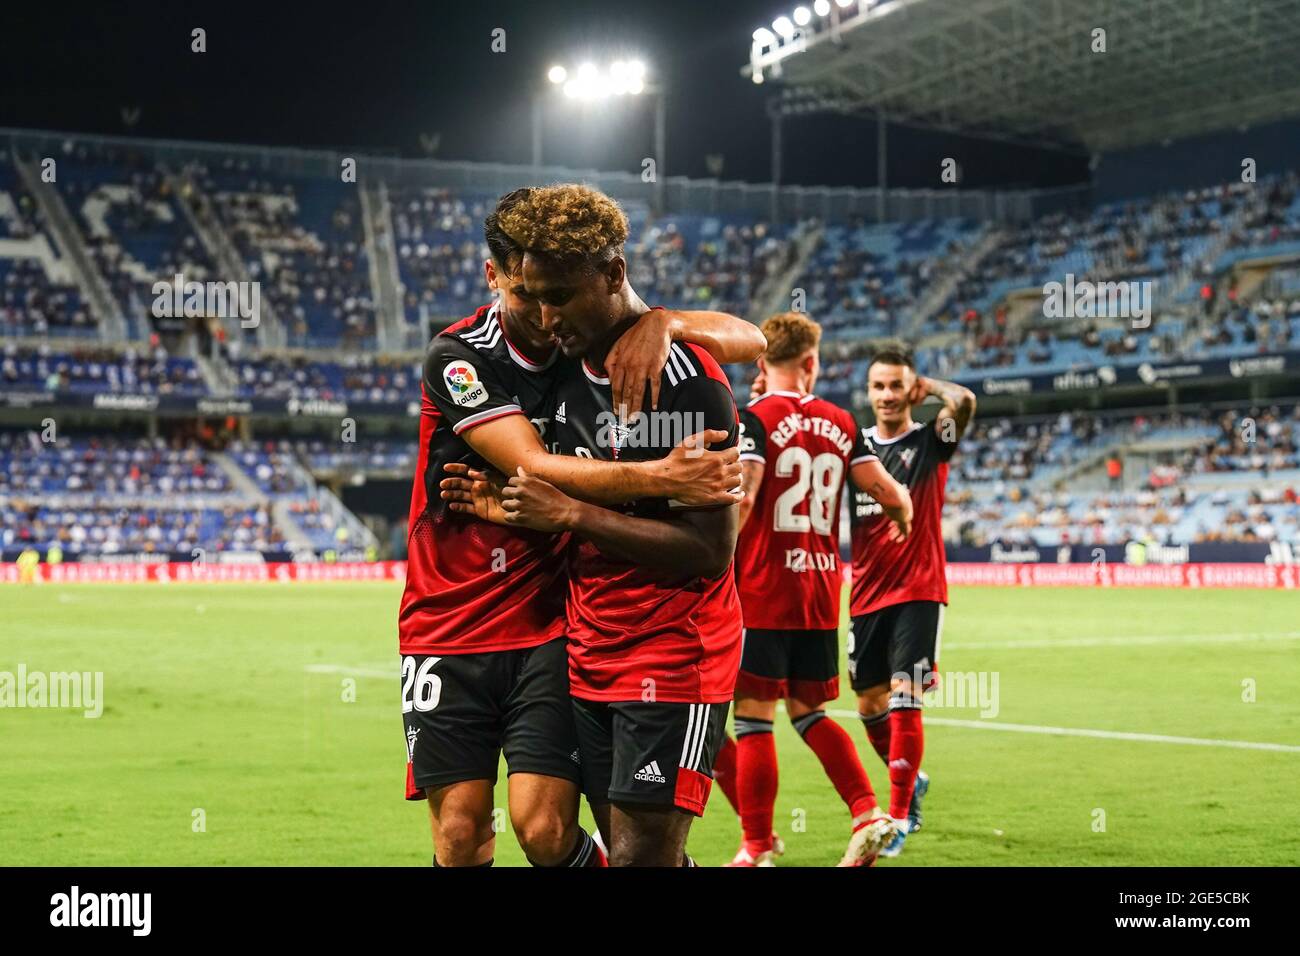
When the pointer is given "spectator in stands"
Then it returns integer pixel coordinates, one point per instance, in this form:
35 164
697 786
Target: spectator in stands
1115 471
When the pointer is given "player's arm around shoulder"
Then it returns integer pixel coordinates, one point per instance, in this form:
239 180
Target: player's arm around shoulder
637 360
694 541
690 472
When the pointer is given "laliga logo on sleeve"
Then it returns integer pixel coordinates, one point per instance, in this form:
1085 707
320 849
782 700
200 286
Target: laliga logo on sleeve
463 385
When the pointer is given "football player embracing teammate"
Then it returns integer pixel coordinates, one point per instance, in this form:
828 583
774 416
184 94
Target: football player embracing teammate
900 588
653 619
796 452
481 625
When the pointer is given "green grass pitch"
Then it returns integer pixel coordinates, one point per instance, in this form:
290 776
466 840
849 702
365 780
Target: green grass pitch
229 700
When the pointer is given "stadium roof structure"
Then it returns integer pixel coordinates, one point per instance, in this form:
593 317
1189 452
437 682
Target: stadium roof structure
1026 70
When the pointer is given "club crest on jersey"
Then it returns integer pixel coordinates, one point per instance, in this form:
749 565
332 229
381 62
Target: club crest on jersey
619 434
906 456
463 384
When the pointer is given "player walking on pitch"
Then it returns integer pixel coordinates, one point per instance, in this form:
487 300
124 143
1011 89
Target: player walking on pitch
900 589
796 451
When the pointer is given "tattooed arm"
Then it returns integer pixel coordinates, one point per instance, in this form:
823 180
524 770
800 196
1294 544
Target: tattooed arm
958 405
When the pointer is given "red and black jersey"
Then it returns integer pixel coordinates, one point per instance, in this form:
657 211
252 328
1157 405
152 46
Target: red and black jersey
635 630
471 586
886 572
788 557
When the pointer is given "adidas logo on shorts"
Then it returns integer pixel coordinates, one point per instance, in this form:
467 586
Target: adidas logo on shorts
650 773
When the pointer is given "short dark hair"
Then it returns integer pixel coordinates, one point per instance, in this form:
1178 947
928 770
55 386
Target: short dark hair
506 253
892 353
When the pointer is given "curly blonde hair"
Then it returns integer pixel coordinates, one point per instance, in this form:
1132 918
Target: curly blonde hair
790 335
567 221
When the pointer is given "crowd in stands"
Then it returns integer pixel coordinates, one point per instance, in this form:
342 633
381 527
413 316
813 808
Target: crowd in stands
1273 221
865 280
1158 239
380 455
102 530
304 242
271 467
693 262
1007 484
105 465
1261 327
1174 516
440 251
87 370
31 303
362 378
322 528
97 495
133 226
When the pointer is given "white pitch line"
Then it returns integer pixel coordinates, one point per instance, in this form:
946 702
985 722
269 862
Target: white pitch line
1126 641
950 721
352 671
1084 732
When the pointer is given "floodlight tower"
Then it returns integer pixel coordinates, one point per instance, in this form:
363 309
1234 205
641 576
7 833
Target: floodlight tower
588 83
788 35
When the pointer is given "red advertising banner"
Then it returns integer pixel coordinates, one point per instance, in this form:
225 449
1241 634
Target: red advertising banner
1112 575
1101 574
207 573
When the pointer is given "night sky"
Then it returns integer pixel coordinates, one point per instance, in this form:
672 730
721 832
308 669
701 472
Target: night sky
374 76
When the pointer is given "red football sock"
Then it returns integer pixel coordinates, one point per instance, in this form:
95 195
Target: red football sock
756 779
906 745
878 733
834 748
724 772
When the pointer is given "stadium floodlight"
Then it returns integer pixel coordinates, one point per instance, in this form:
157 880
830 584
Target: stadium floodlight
802 16
822 8
620 78
585 85
764 37
784 27
589 83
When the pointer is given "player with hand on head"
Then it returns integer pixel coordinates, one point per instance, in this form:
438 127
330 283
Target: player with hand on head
900 588
797 450
484 669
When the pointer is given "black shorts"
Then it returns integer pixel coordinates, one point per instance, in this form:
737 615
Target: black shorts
462 710
656 753
899 640
804 665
